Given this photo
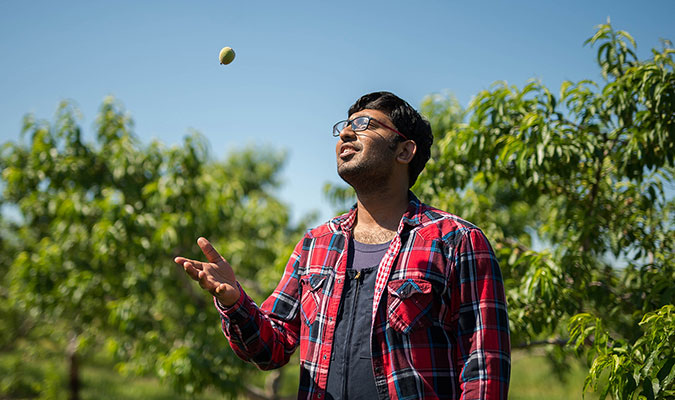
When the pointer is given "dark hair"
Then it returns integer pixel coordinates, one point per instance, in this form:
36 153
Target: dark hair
407 120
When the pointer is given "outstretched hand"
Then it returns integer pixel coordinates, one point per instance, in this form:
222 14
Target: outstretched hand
215 276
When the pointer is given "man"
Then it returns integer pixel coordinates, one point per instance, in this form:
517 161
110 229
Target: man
394 299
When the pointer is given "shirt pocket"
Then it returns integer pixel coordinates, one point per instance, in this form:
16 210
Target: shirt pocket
311 296
409 304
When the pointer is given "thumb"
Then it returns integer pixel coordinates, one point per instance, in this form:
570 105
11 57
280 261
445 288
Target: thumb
210 252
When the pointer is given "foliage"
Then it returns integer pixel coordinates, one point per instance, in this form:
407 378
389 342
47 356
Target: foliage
100 224
573 191
643 369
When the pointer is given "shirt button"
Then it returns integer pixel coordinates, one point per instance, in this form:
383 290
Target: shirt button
324 356
378 370
318 395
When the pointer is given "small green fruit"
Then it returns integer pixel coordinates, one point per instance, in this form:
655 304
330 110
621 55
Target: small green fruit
226 55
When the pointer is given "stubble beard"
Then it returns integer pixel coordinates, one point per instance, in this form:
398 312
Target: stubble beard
365 177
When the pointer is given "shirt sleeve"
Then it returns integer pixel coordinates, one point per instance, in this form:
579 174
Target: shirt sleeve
267 335
483 359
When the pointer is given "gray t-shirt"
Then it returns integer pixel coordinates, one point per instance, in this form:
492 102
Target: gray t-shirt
363 255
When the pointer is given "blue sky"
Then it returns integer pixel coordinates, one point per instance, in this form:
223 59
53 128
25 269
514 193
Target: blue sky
299 65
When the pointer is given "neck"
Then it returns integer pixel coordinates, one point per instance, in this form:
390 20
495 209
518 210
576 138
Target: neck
379 213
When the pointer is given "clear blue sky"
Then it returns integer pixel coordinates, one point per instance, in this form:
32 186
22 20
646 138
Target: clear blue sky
299 65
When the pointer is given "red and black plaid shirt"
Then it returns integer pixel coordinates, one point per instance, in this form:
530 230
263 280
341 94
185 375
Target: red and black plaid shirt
440 327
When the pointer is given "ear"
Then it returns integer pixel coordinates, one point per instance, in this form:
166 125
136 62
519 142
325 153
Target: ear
406 151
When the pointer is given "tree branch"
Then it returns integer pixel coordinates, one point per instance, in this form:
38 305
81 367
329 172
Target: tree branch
514 243
554 341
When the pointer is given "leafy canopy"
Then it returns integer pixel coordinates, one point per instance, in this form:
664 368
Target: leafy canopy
573 191
99 224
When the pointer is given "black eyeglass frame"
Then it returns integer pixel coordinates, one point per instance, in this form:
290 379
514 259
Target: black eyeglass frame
350 123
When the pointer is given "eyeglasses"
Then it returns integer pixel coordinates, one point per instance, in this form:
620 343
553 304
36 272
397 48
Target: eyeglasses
359 124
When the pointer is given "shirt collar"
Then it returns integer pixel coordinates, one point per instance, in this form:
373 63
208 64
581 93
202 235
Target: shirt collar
411 217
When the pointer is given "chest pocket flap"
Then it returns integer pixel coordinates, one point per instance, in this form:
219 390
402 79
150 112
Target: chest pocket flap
311 295
404 288
409 303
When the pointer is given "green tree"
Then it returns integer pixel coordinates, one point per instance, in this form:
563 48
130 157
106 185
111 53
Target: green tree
575 192
99 225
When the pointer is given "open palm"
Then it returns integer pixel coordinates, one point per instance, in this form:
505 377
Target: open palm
215 276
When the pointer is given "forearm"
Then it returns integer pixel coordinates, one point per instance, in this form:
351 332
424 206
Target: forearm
482 327
255 335
485 372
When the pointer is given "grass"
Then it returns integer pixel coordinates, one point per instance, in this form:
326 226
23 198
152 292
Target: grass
26 377
532 377
100 381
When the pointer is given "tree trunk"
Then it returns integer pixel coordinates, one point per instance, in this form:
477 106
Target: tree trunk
73 368
271 391
272 384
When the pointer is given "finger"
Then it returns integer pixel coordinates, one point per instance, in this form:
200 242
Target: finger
206 282
191 270
210 252
221 288
196 264
182 260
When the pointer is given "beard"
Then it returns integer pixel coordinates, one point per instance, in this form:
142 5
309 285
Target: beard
366 175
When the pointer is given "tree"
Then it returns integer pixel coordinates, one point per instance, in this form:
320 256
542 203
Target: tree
99 226
573 191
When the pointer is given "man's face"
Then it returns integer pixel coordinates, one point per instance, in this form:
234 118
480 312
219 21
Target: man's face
366 157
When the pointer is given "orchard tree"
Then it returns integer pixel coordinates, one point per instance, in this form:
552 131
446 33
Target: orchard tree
575 190
100 224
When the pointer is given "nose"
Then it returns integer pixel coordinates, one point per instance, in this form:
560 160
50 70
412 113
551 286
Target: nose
347 133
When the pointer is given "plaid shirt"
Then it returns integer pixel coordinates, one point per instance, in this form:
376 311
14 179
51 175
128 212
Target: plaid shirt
440 328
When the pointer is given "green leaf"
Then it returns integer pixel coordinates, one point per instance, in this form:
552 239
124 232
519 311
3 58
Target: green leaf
648 390
666 373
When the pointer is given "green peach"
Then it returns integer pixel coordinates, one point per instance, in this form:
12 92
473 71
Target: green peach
226 55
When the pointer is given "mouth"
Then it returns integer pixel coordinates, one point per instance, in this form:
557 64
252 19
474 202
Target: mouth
346 151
